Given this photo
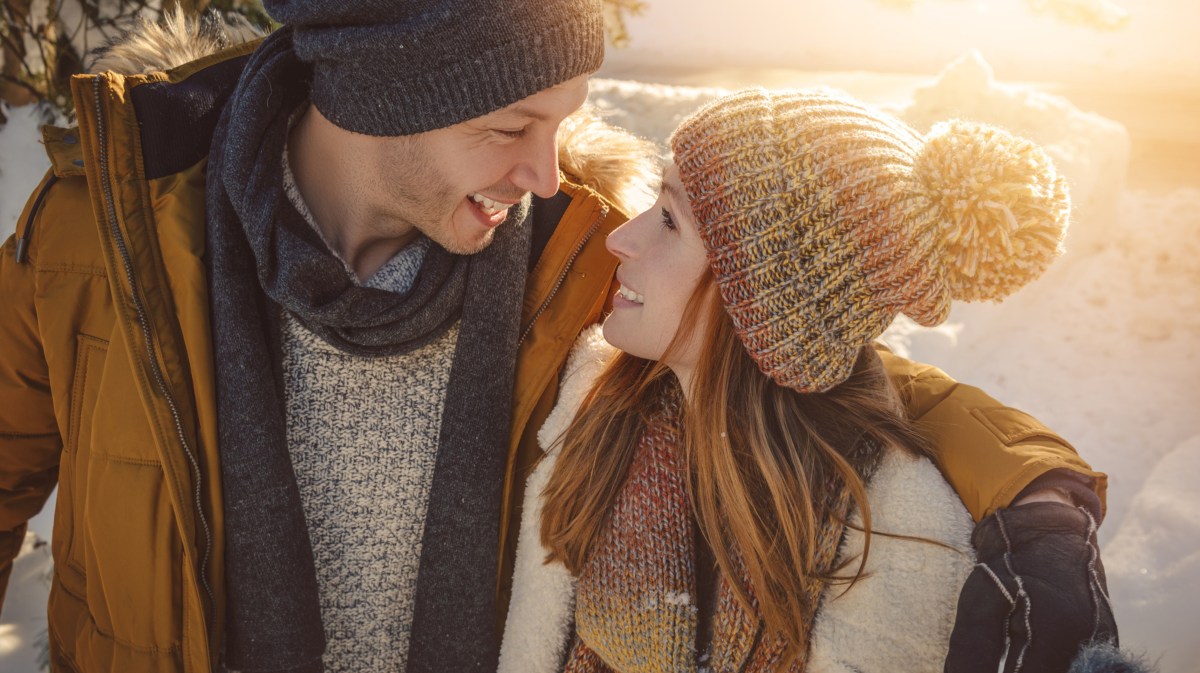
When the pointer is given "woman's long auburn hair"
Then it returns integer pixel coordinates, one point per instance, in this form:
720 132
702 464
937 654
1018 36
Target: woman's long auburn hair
764 462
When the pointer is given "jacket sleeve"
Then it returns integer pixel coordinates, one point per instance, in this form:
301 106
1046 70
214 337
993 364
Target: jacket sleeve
30 443
988 452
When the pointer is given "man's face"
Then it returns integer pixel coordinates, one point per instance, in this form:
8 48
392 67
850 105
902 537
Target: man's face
456 184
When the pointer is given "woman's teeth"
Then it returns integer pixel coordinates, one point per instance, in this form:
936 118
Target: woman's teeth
488 206
631 295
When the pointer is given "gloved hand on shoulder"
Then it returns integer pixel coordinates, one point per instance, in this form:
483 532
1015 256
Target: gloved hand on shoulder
1037 595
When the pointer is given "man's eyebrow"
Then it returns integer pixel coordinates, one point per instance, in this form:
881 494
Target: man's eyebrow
524 111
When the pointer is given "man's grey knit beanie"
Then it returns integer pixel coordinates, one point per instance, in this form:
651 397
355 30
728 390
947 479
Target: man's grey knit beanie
397 67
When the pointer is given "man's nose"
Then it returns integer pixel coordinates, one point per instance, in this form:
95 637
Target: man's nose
538 173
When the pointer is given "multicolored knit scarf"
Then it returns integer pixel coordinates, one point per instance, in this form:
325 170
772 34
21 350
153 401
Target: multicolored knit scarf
636 609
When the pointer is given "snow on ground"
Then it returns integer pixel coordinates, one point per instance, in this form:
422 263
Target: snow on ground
1154 49
1105 347
1153 562
22 162
23 633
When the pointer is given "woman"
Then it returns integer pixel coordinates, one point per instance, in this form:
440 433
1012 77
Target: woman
740 489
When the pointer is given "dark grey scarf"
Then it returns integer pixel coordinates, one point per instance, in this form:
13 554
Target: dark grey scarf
262 255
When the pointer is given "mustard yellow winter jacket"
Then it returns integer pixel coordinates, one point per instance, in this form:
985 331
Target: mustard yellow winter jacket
107 389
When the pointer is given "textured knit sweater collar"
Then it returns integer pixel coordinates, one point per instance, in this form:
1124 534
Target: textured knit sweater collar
261 256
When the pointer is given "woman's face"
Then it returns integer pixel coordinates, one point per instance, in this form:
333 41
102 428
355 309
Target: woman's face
661 260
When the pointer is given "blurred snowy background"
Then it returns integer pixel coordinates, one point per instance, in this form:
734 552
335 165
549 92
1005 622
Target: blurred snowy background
1105 348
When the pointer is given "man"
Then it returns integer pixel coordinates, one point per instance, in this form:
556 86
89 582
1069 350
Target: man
284 322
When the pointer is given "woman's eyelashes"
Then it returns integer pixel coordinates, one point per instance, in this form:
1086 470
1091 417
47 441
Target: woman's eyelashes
667 220
512 133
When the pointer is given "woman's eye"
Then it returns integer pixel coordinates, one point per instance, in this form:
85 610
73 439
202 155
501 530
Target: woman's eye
667 220
511 133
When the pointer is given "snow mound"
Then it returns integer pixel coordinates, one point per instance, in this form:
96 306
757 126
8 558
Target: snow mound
23 162
1155 557
1091 151
651 111
23 630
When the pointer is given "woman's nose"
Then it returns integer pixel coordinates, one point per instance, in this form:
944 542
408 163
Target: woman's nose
622 241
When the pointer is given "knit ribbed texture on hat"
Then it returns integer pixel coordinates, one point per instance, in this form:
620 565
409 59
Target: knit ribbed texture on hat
824 218
388 68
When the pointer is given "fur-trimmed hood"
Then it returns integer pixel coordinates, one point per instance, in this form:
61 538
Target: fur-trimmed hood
616 164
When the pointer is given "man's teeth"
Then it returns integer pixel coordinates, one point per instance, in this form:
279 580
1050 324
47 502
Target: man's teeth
631 295
488 206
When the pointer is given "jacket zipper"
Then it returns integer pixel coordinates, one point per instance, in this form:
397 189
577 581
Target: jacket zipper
22 253
562 277
159 379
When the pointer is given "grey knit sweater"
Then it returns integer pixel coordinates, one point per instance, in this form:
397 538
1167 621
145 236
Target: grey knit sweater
363 437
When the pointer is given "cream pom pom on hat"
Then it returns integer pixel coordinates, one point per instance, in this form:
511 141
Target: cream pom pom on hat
823 219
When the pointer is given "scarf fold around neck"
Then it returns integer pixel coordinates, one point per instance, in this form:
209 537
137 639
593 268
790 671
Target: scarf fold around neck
263 256
636 609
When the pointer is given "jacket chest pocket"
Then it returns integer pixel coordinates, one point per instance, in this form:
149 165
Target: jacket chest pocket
123 552
90 354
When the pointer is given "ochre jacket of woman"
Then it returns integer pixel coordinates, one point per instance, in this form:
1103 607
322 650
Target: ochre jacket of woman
106 376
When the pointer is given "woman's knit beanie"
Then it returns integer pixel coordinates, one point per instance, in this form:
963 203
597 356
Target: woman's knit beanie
824 218
399 67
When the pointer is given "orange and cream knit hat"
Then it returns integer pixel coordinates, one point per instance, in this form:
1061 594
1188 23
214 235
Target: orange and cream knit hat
824 219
